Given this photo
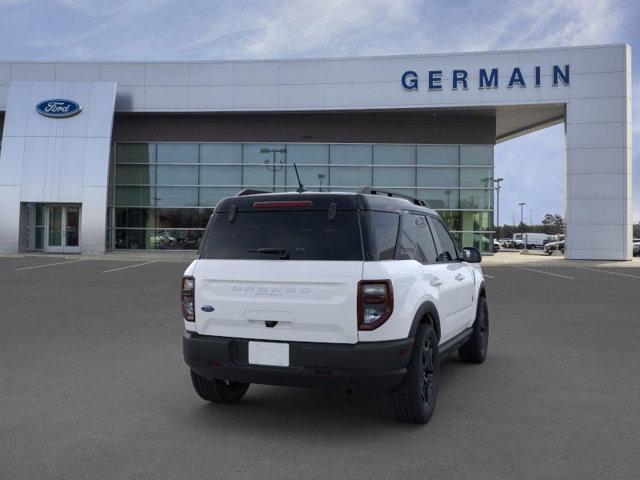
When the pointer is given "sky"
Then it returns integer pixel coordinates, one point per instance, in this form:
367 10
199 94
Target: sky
532 165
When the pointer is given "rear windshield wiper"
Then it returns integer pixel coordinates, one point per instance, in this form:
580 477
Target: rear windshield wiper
284 254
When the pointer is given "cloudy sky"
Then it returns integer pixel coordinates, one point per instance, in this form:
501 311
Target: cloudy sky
248 29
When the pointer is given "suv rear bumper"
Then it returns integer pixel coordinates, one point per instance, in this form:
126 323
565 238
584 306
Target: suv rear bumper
373 367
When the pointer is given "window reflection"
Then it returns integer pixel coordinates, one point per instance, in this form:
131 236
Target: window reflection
165 192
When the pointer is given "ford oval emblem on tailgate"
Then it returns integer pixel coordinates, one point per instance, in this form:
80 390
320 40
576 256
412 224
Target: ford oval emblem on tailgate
207 308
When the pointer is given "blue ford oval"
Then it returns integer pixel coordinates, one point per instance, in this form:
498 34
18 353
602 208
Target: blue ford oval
58 108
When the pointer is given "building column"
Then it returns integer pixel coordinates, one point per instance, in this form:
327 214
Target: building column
598 203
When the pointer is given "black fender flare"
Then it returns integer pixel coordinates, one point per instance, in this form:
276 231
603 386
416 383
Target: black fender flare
427 308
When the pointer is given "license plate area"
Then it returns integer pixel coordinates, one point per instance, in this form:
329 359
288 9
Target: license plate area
269 353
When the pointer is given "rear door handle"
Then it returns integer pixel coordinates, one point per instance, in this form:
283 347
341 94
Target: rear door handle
459 277
436 282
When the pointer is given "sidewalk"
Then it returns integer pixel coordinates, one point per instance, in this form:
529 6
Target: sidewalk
536 257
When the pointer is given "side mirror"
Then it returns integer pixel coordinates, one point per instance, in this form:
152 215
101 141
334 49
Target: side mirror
471 255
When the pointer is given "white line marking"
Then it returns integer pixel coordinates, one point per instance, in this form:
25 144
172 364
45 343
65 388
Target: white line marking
49 265
129 266
611 273
545 273
488 276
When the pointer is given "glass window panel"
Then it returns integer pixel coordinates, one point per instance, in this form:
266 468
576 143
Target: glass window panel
350 176
482 241
175 239
210 196
440 199
131 239
453 219
134 217
39 238
176 196
214 175
177 175
265 175
476 199
394 177
313 177
476 155
135 174
40 217
135 196
177 152
351 154
135 153
301 154
177 217
471 221
476 177
439 177
394 155
221 153
438 155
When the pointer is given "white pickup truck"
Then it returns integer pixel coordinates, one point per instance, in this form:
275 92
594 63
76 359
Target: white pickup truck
350 291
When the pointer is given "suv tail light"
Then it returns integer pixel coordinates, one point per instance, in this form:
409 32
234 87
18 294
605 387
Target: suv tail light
375 303
187 298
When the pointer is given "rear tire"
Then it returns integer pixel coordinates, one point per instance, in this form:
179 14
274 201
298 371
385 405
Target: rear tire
218 391
415 399
475 349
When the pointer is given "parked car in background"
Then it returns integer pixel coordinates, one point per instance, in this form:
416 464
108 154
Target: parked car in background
551 247
636 247
496 246
533 240
506 242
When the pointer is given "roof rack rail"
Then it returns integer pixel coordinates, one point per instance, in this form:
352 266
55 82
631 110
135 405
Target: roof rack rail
380 191
250 191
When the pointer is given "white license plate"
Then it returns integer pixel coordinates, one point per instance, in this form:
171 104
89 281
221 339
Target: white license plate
269 353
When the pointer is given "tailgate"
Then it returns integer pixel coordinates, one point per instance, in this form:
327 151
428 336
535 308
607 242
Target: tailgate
303 301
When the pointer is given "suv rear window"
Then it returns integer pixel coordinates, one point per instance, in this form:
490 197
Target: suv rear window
274 235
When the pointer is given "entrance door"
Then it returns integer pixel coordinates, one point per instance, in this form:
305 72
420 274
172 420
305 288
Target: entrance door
63 227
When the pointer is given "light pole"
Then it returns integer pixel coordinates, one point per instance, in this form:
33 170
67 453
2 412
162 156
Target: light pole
498 187
273 165
524 240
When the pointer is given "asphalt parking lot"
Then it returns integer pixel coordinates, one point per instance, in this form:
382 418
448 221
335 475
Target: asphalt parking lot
93 385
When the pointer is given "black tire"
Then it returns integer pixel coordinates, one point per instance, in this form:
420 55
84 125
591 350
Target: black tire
218 391
475 349
415 399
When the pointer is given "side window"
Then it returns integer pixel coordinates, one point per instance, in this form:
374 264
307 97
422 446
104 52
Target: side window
406 242
425 247
448 251
383 233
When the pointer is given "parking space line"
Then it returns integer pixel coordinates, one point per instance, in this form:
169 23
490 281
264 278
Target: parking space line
610 273
545 273
488 276
130 266
49 265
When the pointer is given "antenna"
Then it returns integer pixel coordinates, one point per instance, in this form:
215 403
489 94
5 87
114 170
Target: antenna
300 188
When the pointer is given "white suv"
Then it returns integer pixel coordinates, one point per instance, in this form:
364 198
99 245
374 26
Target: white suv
355 291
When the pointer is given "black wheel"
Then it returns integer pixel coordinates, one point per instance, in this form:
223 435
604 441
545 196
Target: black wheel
218 391
475 349
415 399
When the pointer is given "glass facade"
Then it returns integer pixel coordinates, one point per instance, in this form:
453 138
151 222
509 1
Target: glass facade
164 193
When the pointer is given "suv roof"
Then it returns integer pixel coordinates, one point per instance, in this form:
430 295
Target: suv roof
365 199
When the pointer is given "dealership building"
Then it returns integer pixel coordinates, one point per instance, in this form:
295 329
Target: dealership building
99 156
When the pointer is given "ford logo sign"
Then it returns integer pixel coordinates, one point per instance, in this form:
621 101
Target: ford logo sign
58 108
